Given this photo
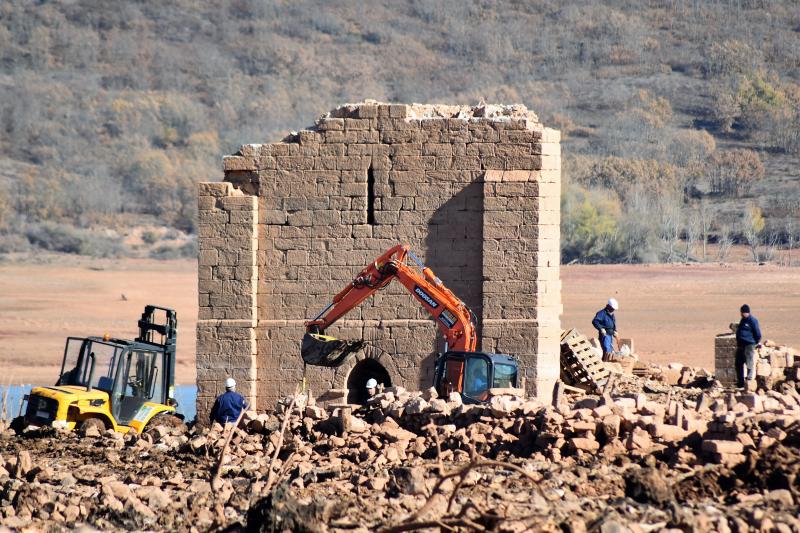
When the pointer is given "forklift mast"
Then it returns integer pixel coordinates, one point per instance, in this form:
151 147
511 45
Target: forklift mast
149 332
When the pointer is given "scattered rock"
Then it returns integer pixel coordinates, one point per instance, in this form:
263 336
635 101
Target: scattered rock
409 480
647 485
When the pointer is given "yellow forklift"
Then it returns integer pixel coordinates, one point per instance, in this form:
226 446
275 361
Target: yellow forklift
114 384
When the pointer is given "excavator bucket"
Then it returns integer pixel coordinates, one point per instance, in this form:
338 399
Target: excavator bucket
321 350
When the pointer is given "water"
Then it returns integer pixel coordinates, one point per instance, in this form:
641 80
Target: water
184 394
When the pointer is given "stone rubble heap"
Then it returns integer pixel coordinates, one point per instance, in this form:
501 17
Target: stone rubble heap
730 459
776 364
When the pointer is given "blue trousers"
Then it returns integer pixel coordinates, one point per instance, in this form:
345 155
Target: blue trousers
606 341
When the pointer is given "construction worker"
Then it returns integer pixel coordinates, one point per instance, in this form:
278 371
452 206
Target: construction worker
228 405
606 325
748 335
372 387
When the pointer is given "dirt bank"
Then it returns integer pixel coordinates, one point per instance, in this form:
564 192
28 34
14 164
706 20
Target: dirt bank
673 312
43 303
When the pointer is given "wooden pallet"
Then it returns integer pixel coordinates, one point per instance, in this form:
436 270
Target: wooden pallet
580 364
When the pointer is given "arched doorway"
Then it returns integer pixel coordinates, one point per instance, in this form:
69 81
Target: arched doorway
361 373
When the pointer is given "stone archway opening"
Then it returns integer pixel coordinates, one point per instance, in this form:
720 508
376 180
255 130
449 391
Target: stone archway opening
361 373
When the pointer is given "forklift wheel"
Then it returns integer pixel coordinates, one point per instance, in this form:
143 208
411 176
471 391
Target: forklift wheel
18 425
84 426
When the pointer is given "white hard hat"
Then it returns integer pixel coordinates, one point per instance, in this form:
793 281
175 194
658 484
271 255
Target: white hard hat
613 304
372 383
230 383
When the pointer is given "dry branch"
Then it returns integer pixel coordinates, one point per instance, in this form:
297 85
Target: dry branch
476 462
216 473
270 469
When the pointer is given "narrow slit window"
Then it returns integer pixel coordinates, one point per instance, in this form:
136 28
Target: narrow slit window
370 197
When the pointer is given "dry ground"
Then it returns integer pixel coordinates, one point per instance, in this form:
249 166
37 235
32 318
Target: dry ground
672 312
42 303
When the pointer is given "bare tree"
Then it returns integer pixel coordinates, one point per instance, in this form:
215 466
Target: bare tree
791 229
725 242
639 227
670 229
692 229
705 225
752 227
771 244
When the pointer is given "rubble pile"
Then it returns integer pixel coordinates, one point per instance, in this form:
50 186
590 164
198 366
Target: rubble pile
56 479
775 365
627 460
626 362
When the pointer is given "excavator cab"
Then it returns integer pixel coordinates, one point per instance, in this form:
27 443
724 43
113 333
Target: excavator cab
472 374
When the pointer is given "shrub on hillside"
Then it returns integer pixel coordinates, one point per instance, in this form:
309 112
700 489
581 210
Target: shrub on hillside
627 175
13 243
165 251
655 111
589 225
762 107
733 173
149 237
44 196
688 147
163 189
730 57
67 239
5 210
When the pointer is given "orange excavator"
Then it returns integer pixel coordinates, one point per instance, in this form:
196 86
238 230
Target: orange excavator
460 368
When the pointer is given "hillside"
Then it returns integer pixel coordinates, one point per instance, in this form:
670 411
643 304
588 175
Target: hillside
681 120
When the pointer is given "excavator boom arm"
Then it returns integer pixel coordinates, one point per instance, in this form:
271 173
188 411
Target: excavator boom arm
452 316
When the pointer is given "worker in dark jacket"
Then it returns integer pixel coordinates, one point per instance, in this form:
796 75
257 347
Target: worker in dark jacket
748 335
228 405
606 325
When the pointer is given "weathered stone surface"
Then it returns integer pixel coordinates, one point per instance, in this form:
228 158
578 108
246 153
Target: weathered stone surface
584 444
722 446
473 189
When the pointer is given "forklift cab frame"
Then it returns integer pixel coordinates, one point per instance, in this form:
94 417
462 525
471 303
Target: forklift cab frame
472 374
132 373
125 384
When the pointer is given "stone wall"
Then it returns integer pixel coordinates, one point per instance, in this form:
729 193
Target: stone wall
475 191
227 276
725 358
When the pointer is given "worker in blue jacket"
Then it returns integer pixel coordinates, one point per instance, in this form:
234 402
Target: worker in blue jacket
228 405
606 325
748 336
